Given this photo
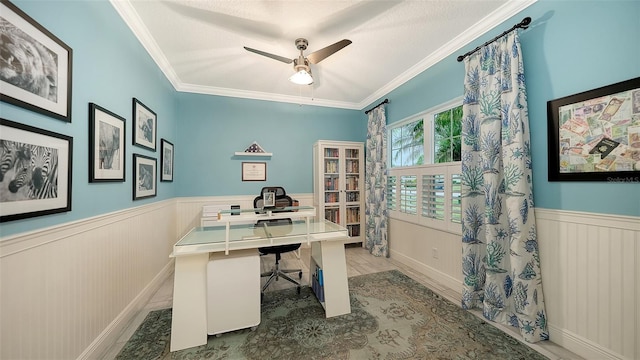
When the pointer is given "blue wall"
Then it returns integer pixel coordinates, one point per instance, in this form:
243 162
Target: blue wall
570 47
110 67
213 128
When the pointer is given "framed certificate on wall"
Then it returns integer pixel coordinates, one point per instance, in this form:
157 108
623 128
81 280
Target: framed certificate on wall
254 171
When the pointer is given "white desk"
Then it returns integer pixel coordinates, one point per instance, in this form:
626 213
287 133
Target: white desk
237 240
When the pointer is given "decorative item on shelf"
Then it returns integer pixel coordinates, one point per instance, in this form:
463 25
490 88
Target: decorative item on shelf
253 150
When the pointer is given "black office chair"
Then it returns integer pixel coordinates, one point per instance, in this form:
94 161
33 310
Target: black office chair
281 200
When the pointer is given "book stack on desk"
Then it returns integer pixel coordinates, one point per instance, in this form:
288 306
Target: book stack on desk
317 284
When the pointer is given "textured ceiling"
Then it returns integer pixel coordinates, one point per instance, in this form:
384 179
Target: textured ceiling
199 44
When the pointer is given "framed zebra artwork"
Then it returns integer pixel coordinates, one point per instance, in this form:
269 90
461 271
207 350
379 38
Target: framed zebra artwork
36 71
106 145
35 171
144 177
144 126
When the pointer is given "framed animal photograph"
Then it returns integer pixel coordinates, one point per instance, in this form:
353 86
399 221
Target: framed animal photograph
35 171
595 135
144 177
144 126
166 160
106 145
36 71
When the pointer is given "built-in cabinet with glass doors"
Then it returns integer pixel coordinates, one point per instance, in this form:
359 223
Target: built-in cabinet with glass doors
338 186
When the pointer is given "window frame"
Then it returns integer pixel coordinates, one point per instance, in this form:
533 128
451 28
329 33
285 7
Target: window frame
448 170
427 118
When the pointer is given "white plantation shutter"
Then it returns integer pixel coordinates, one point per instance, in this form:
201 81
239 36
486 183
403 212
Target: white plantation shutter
433 196
408 194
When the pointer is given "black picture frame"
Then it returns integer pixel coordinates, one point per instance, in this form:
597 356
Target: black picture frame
107 145
145 178
166 160
36 173
254 171
595 135
145 123
51 95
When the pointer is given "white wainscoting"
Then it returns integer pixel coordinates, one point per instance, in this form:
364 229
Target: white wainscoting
68 291
590 272
591 282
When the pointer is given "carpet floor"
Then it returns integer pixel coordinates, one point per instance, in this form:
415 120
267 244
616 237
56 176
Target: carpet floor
392 317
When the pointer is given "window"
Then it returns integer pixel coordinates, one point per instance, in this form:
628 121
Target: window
447 126
407 148
410 145
408 194
424 177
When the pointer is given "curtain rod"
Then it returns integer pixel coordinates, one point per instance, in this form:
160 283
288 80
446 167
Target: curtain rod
385 101
522 24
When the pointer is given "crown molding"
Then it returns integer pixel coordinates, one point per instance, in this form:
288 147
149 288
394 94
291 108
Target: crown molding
489 22
131 18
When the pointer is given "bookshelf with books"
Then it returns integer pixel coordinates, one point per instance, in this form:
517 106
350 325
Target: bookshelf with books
338 173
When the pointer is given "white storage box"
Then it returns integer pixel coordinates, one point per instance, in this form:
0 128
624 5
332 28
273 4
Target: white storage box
233 291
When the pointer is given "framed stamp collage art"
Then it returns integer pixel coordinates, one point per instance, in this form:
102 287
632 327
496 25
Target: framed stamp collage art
595 135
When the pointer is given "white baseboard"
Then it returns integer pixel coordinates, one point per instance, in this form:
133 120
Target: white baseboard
445 279
103 343
580 345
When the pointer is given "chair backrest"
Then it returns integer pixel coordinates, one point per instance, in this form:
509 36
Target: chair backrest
282 199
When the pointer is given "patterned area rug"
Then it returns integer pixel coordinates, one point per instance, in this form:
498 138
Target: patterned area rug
392 317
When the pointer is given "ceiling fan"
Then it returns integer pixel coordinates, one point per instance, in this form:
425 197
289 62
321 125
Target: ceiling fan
302 75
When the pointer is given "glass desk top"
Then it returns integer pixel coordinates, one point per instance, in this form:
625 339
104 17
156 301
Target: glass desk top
232 236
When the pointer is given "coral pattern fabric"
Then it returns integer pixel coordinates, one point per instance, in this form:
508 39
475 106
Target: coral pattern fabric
500 257
376 184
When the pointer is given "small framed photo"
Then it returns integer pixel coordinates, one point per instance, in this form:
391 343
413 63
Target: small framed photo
254 171
35 176
144 177
38 77
595 135
268 199
166 160
106 145
144 126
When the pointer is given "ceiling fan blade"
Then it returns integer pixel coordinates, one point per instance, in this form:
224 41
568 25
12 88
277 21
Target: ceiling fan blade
249 28
276 57
317 56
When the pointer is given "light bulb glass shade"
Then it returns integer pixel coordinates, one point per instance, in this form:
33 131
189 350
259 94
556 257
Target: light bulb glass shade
301 77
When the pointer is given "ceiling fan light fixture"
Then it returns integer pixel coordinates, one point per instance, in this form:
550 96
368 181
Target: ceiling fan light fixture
302 75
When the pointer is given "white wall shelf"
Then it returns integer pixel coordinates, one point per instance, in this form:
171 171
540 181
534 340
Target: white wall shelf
244 153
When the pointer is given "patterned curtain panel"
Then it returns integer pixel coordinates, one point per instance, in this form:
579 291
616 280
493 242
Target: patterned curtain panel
500 259
376 184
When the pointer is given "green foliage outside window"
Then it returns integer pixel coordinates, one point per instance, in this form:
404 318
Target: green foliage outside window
407 144
447 127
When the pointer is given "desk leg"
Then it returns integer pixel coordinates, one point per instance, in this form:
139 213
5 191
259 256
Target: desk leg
336 286
189 315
